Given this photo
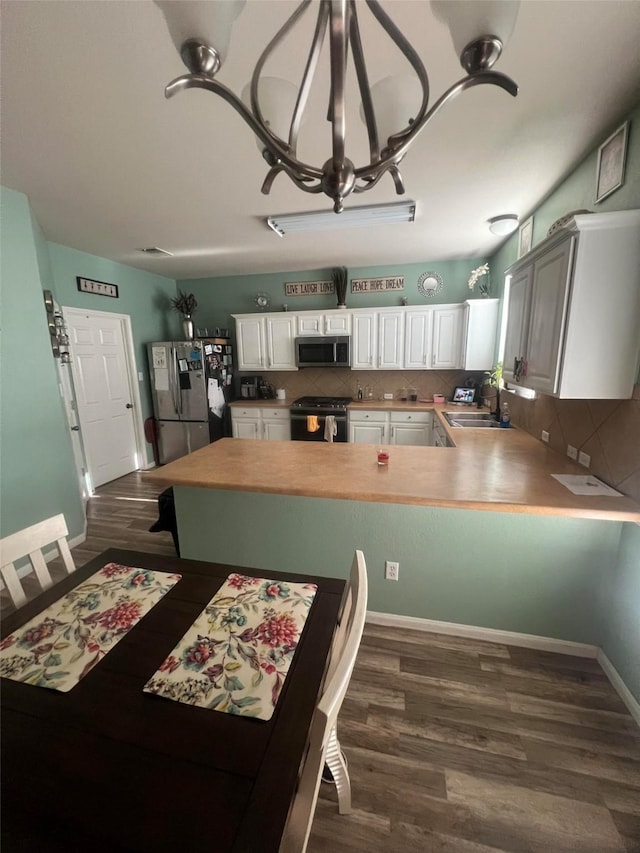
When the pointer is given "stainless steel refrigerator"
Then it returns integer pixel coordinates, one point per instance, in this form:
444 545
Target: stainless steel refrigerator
191 384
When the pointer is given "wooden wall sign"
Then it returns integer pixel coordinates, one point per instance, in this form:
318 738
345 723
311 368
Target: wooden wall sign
100 288
377 285
309 288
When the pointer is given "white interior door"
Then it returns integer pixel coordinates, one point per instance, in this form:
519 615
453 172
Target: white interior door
104 393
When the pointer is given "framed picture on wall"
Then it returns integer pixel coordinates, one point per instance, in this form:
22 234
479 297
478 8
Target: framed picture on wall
525 237
611 158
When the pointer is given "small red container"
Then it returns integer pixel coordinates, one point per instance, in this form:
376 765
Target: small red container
383 457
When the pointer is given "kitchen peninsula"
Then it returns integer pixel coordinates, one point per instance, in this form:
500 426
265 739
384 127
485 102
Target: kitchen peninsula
483 534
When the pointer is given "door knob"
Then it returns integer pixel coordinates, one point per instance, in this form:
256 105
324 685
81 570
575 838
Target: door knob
76 428
129 406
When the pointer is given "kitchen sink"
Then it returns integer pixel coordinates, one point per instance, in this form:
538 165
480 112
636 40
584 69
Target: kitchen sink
471 420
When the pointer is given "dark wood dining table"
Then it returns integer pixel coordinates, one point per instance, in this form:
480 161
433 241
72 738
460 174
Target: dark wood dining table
107 767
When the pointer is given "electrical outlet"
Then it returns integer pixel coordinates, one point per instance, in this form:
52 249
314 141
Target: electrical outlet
584 459
391 570
545 436
572 452
388 395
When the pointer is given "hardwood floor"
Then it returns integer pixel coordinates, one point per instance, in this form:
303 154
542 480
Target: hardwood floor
454 745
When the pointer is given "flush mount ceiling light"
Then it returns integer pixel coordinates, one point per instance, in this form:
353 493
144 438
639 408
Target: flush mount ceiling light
381 214
202 31
503 225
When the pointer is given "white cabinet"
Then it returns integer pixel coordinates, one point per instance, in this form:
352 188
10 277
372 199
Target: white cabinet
439 436
267 422
378 340
384 427
364 344
447 337
418 335
326 323
266 342
574 310
368 427
411 428
480 333
250 342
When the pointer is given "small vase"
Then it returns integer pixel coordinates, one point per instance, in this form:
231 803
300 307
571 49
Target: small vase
187 327
341 305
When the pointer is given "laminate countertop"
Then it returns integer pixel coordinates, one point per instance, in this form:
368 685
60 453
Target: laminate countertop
496 470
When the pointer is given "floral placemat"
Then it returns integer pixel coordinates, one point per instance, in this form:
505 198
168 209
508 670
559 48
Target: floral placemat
236 655
62 644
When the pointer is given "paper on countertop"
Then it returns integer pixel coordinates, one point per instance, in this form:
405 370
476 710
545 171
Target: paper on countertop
215 396
586 484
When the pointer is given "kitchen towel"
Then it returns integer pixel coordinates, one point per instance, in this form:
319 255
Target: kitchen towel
62 644
330 428
312 423
236 655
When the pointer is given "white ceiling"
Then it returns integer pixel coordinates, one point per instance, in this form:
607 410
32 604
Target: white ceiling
110 165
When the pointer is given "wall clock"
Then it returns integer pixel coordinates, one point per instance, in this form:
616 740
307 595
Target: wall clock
430 283
262 300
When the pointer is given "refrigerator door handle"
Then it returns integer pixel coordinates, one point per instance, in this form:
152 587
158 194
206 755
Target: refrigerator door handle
173 379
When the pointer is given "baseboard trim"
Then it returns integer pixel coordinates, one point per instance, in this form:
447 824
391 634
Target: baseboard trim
616 680
490 635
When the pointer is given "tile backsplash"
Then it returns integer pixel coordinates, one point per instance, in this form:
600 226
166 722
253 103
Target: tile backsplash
607 430
341 382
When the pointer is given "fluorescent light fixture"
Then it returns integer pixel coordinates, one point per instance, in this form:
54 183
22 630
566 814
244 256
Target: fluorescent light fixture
155 252
327 220
503 225
520 391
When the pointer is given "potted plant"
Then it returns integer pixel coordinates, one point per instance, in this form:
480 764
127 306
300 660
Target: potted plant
185 304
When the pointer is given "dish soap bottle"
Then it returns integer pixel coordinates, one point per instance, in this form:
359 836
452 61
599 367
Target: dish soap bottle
359 393
505 416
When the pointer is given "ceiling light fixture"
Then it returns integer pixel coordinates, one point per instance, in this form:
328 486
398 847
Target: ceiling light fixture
201 31
503 225
381 214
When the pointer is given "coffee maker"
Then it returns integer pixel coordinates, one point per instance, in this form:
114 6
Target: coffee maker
249 387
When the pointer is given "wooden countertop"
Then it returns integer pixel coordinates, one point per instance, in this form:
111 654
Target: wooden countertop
495 470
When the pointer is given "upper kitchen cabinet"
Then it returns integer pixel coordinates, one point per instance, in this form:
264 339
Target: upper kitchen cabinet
378 339
266 342
326 323
418 336
573 327
447 337
480 333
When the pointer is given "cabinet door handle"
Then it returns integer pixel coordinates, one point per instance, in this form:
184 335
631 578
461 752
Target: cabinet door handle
371 360
393 432
424 359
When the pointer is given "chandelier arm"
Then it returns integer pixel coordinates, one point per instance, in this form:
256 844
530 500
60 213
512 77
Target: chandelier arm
308 76
274 145
399 144
372 179
272 174
410 54
363 84
338 54
257 71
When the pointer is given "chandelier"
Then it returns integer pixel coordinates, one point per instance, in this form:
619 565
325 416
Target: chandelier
479 29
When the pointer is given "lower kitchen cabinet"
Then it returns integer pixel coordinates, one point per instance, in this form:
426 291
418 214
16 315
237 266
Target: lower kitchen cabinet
368 427
384 427
411 428
268 422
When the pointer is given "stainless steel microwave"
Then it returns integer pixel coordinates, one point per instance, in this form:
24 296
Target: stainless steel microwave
324 351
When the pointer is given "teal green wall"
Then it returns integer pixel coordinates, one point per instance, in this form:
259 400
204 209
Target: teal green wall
37 474
577 192
522 573
142 295
219 298
621 611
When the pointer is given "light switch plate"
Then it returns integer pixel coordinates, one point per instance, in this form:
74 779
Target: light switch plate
545 436
572 452
388 396
584 459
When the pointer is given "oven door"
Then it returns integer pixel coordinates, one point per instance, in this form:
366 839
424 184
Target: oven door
300 428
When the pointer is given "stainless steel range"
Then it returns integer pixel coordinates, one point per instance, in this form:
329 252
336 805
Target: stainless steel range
308 417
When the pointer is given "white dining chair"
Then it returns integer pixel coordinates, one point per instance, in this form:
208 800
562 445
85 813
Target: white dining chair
29 543
323 745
